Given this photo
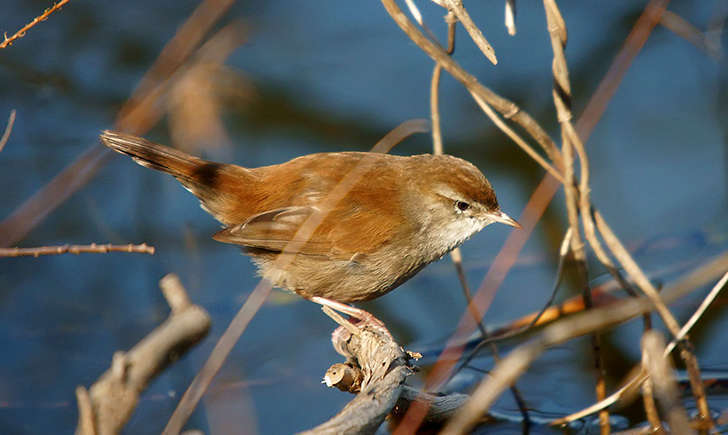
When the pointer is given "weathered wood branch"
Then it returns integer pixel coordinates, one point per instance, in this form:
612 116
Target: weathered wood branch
108 404
375 370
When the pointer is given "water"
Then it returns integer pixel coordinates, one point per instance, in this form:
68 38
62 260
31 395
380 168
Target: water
332 77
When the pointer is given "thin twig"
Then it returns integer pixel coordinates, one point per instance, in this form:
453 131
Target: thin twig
400 133
509 109
455 254
485 107
701 309
42 17
648 402
663 380
633 44
562 101
518 361
681 27
437 149
139 113
435 85
474 31
636 273
510 13
434 110
557 282
217 357
8 130
76 249
640 377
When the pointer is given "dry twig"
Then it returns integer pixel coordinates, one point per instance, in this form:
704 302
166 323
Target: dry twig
507 108
510 13
42 17
455 254
474 31
635 381
108 404
76 249
561 94
8 130
140 112
662 378
681 27
379 363
518 361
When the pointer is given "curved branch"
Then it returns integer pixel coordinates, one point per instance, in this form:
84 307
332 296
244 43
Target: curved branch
108 404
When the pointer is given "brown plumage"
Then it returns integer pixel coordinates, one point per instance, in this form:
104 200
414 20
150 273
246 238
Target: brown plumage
399 214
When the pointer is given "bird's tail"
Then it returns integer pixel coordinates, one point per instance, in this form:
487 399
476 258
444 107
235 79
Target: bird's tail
152 155
215 184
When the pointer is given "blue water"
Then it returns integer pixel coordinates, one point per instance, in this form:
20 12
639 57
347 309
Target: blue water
327 77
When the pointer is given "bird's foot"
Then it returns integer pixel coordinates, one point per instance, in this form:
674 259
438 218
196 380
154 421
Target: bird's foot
362 318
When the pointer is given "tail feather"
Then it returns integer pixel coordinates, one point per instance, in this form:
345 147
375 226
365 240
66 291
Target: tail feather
215 184
150 154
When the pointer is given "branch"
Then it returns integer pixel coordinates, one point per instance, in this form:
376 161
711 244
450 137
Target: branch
475 33
7 42
640 377
109 403
662 379
8 130
507 108
376 367
513 365
378 362
76 249
375 370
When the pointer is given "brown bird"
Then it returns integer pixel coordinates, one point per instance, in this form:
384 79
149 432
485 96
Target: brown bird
374 220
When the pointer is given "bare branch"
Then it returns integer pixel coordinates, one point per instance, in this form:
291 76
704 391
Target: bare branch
663 379
640 377
140 112
382 367
7 42
513 365
76 249
509 109
510 19
474 31
8 130
109 403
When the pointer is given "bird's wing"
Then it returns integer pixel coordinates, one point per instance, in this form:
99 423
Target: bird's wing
344 233
274 229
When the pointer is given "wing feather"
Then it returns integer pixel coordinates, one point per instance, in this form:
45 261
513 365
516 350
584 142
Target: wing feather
273 230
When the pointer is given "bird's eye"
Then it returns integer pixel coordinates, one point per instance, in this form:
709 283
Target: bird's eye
462 205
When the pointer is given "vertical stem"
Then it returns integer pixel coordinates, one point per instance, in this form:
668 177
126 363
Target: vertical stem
696 383
574 199
648 398
456 256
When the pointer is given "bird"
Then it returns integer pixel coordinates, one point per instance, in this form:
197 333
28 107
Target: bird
374 220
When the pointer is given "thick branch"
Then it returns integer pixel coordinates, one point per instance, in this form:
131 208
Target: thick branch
382 367
375 370
108 404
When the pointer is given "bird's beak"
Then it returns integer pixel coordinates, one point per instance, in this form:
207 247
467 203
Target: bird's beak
503 218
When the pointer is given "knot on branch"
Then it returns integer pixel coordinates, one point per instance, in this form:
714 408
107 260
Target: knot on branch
370 352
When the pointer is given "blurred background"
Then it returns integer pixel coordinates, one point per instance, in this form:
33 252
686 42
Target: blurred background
274 80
